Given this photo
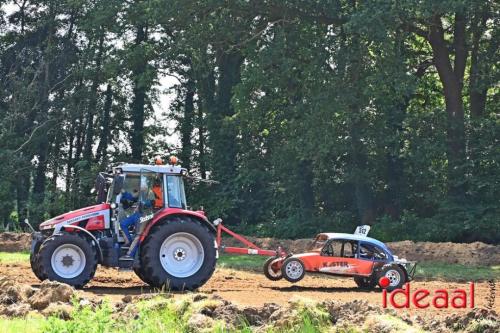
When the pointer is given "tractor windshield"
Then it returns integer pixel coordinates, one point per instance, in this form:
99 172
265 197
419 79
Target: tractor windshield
175 191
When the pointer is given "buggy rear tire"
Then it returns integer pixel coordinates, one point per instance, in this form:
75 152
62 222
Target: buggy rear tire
269 272
67 258
179 254
293 270
364 282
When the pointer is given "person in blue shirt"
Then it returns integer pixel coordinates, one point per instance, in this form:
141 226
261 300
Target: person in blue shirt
135 218
127 200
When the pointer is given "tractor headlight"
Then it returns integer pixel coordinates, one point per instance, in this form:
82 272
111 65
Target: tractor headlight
113 205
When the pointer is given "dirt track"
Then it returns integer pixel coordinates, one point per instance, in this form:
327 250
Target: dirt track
253 289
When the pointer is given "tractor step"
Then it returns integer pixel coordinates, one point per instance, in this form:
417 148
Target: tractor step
125 262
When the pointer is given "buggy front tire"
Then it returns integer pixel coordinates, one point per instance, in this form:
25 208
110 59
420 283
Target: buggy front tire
293 270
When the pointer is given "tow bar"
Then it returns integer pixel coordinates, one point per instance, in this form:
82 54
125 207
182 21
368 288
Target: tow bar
250 248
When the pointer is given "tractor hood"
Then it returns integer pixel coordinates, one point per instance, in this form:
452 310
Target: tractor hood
98 212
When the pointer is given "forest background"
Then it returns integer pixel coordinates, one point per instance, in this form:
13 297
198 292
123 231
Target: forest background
311 115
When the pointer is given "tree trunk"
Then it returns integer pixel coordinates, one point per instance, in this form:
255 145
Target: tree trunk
69 164
103 140
22 194
201 142
477 91
205 80
38 194
222 132
137 106
187 125
452 80
80 137
89 138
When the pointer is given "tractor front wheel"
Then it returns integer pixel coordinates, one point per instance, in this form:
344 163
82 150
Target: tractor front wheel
179 254
35 266
67 258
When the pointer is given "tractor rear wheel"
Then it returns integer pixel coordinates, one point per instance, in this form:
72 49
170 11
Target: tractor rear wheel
179 254
140 273
67 258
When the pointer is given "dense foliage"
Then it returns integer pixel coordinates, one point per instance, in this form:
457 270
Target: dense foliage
311 115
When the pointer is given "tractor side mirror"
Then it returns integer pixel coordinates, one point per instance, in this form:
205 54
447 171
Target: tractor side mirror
118 181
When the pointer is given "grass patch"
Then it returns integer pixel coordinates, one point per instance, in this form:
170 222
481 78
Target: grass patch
242 262
456 272
25 325
11 257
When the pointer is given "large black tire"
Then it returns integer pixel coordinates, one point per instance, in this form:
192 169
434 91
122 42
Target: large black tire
293 270
182 233
35 266
270 273
76 243
139 271
396 275
365 282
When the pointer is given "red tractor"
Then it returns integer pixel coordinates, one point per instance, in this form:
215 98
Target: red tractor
171 246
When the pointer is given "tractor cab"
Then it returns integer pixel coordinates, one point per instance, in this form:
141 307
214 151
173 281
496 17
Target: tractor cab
143 189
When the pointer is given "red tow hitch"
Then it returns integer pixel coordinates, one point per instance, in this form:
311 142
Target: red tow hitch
250 248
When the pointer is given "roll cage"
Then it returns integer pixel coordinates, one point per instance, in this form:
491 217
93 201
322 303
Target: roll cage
360 249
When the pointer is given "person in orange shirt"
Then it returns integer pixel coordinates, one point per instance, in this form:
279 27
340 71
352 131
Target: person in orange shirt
158 192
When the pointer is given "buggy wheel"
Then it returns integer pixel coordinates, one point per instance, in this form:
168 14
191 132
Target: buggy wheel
293 270
269 272
364 282
396 276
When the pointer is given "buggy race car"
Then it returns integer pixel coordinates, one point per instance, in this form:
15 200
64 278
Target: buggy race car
350 255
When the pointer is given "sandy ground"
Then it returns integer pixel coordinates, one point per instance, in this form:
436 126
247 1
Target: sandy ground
253 289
